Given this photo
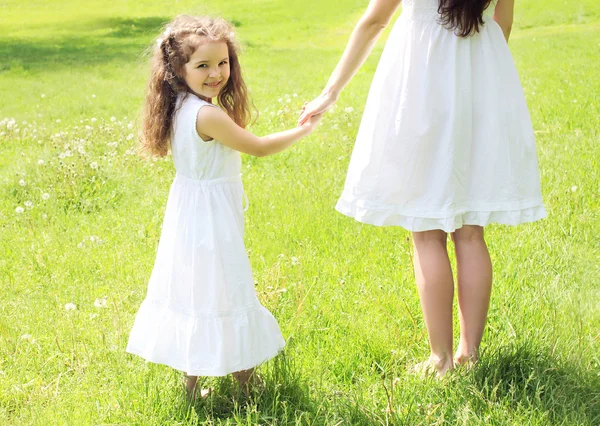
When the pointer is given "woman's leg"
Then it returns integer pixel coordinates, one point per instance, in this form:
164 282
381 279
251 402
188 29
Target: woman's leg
436 291
474 273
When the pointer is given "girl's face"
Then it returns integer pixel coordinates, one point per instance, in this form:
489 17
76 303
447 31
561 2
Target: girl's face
207 71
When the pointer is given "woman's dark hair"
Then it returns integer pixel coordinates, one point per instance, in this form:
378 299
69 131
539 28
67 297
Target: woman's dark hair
465 17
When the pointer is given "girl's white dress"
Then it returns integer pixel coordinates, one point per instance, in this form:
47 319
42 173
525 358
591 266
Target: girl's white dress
446 139
201 314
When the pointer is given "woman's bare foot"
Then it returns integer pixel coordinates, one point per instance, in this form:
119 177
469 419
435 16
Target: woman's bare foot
465 360
432 368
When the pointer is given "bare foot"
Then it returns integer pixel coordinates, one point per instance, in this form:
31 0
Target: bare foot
191 391
432 368
248 380
467 361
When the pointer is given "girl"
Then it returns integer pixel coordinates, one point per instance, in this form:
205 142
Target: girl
201 314
445 145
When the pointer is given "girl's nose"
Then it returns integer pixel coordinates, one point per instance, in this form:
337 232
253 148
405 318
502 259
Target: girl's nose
213 73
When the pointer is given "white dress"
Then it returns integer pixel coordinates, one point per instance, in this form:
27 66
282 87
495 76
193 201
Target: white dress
201 314
446 139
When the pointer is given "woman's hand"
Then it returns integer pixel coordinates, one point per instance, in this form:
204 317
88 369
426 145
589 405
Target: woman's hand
316 107
311 121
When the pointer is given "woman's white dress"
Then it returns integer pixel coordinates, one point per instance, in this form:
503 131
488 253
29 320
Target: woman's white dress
446 139
201 314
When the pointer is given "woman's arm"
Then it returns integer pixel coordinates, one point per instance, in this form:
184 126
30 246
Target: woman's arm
361 42
218 125
503 15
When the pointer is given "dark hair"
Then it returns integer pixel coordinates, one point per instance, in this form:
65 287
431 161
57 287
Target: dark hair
465 17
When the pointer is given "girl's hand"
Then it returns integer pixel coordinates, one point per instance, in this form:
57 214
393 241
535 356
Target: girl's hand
316 107
311 122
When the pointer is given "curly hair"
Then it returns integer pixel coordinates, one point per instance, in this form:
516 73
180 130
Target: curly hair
173 50
463 16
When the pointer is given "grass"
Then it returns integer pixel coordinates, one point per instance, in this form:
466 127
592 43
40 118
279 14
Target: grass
343 292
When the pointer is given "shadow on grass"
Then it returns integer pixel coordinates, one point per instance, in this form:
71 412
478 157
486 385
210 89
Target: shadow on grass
89 43
283 397
535 379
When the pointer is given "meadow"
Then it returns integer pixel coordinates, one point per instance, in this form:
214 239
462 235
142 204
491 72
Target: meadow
81 213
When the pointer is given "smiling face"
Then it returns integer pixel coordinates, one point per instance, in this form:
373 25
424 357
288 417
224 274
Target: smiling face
207 71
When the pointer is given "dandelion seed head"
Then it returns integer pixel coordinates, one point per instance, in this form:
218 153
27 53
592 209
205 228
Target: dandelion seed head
70 307
100 303
19 210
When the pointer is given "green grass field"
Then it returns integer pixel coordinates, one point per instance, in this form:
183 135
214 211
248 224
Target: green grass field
72 79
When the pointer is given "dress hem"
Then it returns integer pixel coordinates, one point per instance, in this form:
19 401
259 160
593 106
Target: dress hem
363 212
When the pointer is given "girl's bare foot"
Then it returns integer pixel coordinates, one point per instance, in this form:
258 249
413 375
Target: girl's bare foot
191 390
247 380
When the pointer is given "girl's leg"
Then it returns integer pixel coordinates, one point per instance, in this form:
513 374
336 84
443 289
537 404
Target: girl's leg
189 382
244 379
436 291
474 289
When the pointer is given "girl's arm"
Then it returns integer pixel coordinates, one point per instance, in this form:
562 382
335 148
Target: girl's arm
361 42
503 15
218 125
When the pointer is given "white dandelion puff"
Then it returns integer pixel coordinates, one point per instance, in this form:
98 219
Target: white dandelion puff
19 210
100 303
43 95
28 204
45 196
94 119
22 182
574 188
349 110
41 162
70 307
94 165
113 119
130 136
295 261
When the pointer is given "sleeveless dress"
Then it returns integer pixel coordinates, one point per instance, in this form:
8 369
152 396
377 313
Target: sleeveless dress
446 139
201 314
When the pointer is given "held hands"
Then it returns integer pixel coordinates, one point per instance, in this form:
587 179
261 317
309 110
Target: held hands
311 122
316 107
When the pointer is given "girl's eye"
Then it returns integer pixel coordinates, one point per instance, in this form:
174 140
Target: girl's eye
202 66
223 63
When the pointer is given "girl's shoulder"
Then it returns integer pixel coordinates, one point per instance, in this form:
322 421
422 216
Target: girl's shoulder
189 101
